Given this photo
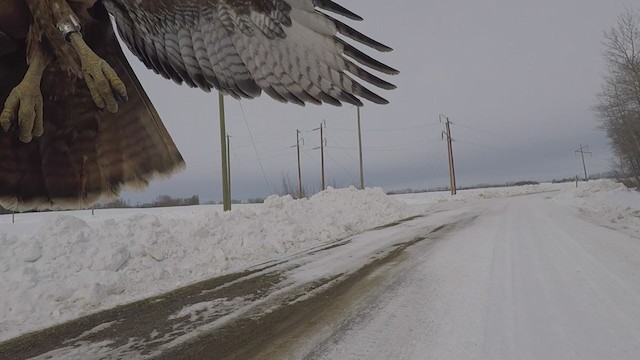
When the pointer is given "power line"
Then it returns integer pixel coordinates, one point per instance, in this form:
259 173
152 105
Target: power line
255 148
194 167
476 129
308 155
384 130
389 148
259 142
339 164
501 148
274 139
247 160
234 154
523 139
267 152
343 149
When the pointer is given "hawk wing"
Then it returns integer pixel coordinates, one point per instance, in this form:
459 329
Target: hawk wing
288 48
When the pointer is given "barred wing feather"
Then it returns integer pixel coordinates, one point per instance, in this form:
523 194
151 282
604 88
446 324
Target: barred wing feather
294 50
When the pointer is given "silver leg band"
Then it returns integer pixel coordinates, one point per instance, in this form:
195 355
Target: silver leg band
69 26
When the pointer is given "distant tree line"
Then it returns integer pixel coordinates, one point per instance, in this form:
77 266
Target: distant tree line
478 186
601 175
619 102
290 187
160 201
168 201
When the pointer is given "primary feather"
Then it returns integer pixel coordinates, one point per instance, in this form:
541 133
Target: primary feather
291 49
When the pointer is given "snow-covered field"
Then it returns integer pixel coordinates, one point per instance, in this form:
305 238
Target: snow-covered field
58 266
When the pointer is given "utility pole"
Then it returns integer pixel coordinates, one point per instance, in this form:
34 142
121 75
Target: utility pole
229 167
322 125
298 139
226 196
452 171
582 151
360 150
323 141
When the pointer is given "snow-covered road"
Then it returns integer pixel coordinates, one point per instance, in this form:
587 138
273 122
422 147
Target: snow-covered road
529 278
539 272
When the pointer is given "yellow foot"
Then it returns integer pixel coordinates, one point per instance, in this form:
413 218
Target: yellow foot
24 107
104 84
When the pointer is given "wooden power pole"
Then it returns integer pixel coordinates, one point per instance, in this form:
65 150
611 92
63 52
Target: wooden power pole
299 169
452 171
323 124
360 151
322 154
584 150
229 168
226 196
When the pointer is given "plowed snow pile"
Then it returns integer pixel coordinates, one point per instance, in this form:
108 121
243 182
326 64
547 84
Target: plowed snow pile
607 203
58 266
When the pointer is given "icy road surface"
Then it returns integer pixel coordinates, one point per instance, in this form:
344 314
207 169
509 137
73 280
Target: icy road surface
529 278
541 272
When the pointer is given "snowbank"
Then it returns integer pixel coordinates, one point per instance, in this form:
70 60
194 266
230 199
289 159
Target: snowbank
606 202
57 267
478 194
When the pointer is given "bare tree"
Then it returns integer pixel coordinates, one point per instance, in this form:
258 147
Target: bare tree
289 188
619 102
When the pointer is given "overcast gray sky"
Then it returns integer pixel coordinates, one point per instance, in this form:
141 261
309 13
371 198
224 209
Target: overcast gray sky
517 78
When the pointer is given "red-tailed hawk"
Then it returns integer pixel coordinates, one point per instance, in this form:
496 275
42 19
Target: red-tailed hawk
79 127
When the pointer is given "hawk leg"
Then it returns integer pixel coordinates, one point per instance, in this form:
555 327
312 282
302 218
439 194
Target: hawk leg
24 104
105 86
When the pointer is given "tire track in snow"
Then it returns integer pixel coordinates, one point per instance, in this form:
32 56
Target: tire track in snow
311 324
529 279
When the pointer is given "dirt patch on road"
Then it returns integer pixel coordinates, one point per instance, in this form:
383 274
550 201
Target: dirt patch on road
272 335
150 322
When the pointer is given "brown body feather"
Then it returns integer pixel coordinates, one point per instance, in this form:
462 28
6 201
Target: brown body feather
85 154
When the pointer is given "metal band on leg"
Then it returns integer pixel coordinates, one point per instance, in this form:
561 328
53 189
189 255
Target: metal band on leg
69 26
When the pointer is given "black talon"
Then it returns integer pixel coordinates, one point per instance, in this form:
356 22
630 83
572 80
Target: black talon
120 98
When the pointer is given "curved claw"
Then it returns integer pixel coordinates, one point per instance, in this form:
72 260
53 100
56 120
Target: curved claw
24 106
105 86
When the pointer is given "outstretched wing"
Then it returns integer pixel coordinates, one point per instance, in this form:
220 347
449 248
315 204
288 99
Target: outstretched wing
288 48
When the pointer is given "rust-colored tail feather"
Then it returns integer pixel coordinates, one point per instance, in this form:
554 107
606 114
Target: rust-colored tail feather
85 154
